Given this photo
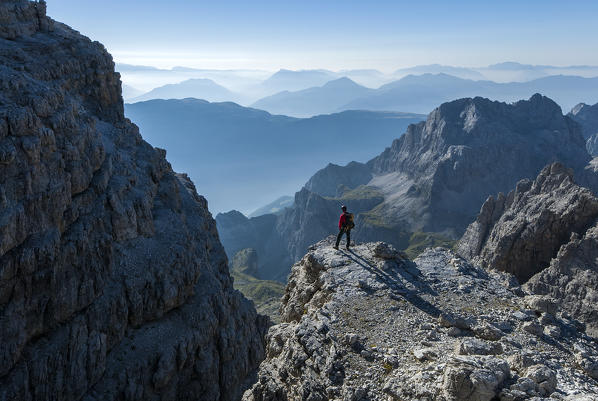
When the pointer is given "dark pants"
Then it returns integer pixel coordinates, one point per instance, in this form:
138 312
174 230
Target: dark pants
340 235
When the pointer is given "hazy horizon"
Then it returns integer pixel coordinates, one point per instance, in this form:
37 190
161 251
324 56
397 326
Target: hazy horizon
386 36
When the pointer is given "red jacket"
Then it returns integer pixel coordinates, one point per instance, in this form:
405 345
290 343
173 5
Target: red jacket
342 220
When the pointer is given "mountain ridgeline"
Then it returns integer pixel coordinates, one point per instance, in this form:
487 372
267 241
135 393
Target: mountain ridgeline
243 158
422 93
429 184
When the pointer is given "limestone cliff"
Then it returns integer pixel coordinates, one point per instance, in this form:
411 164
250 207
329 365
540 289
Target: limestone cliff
370 325
113 282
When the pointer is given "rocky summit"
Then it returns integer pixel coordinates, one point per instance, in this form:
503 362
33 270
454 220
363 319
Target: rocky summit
113 282
368 324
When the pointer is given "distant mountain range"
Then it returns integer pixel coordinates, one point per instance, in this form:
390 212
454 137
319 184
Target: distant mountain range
253 85
275 207
325 99
421 93
459 72
130 93
244 158
205 89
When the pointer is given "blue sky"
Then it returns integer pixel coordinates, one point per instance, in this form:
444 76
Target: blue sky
337 34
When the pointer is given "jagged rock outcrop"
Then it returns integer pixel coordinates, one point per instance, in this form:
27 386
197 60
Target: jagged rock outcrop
545 232
587 117
371 325
113 282
520 233
572 279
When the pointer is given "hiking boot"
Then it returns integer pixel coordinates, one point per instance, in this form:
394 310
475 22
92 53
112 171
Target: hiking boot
335 247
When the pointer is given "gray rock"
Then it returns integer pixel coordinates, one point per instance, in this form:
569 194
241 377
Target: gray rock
544 377
522 232
474 346
387 341
423 354
534 328
572 277
488 331
113 283
474 378
541 304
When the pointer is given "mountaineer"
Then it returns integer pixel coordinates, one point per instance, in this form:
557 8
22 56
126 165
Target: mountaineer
345 224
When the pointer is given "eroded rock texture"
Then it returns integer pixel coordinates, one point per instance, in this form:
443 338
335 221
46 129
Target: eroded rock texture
520 233
546 233
371 325
113 282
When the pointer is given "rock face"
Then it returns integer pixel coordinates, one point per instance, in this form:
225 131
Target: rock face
587 117
468 149
545 232
370 325
520 233
572 278
113 282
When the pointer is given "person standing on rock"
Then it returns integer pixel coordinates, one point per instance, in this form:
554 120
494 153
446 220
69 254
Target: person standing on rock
345 224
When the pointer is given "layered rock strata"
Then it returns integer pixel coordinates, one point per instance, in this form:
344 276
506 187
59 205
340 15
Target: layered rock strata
113 282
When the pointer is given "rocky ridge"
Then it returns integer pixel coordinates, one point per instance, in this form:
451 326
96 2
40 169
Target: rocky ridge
371 325
113 282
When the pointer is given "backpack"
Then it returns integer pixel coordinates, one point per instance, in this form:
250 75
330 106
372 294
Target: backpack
349 224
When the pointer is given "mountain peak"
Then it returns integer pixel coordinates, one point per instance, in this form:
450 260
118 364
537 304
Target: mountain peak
342 82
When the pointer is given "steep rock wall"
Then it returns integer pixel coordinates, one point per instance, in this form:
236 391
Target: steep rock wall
113 282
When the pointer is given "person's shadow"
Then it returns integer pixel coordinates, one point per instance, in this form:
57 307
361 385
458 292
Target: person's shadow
404 281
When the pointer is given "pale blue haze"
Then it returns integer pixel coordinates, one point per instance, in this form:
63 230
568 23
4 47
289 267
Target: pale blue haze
337 34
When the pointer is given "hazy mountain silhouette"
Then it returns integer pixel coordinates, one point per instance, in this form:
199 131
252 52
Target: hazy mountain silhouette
244 158
423 92
319 100
274 207
290 80
196 88
459 72
129 92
